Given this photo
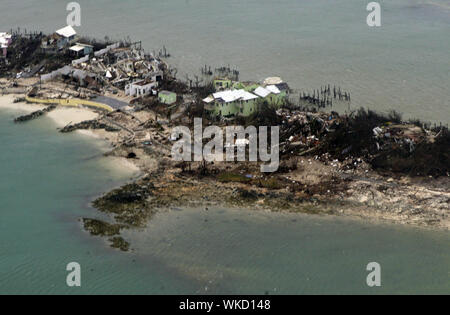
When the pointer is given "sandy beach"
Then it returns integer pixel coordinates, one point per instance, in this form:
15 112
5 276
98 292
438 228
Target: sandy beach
61 116
64 116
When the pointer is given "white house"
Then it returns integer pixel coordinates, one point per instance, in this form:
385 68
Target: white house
140 88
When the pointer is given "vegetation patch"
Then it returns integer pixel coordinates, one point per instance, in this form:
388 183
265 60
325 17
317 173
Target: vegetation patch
233 178
119 243
126 198
271 183
101 228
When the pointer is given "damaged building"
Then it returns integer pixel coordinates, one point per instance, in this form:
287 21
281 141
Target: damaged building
140 88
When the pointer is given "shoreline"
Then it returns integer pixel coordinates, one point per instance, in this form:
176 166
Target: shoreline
60 116
63 116
165 188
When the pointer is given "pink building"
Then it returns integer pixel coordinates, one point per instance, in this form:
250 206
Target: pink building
5 41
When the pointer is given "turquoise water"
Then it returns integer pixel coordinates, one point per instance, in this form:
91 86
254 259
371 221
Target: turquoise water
47 183
48 180
404 65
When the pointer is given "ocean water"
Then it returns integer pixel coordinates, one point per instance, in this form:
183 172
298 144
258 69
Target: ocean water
403 65
47 181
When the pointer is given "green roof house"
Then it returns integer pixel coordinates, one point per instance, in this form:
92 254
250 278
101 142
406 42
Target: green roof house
167 97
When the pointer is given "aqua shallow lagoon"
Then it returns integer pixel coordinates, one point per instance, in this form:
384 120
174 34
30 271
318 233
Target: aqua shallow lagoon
48 181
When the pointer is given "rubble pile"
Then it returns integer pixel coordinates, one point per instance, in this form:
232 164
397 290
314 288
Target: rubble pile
121 66
383 141
302 132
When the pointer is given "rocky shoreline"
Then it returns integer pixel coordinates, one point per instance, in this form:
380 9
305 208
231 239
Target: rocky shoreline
361 194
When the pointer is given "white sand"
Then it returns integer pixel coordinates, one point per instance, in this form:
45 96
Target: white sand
63 116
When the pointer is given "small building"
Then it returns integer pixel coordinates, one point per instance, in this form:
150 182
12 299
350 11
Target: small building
167 97
81 50
5 41
140 88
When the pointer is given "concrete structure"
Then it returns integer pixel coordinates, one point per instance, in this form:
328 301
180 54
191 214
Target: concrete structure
167 97
156 76
140 88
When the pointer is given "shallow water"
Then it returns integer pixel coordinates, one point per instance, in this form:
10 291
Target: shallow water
47 183
247 252
404 65
48 180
